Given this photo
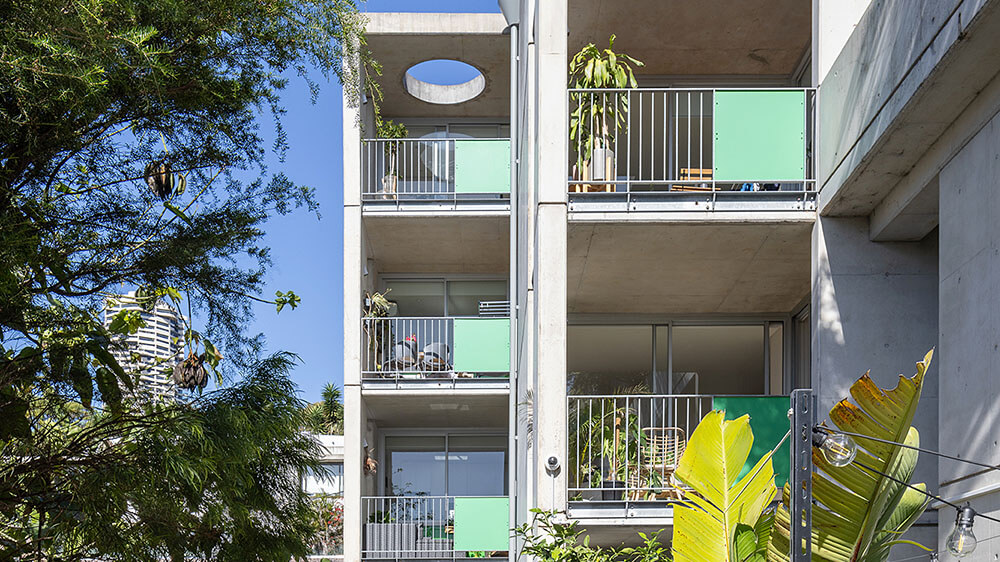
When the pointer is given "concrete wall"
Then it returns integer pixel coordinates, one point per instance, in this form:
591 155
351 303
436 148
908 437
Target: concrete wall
835 22
970 332
874 306
885 66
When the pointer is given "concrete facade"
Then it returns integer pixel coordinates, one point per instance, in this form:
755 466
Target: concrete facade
900 255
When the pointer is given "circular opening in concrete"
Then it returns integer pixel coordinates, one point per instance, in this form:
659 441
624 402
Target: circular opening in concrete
444 81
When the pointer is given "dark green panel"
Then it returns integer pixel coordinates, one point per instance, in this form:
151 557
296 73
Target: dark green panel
769 422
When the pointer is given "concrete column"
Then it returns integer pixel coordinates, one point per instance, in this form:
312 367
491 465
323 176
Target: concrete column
550 439
354 418
970 333
354 424
874 306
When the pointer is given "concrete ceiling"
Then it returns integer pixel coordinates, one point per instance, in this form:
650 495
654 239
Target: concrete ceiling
439 244
698 37
687 268
438 408
399 41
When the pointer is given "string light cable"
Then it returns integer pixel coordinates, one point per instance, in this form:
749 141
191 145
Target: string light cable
962 540
830 433
840 450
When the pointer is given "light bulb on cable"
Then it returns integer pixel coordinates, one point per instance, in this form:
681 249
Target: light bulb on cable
962 540
838 449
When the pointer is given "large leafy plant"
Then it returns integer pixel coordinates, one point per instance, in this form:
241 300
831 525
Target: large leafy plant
719 520
595 117
858 514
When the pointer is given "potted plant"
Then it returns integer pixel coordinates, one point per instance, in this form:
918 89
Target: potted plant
595 118
390 132
378 333
609 441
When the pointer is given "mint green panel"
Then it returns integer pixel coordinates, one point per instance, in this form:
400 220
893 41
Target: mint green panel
482 345
482 166
769 422
760 136
482 524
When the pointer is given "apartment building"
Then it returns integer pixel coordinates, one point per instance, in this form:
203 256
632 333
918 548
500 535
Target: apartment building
154 349
793 193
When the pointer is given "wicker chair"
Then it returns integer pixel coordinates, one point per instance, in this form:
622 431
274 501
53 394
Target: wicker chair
664 448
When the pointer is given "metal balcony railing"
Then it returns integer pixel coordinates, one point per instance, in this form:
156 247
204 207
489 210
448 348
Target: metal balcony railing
442 169
694 143
406 528
436 348
628 447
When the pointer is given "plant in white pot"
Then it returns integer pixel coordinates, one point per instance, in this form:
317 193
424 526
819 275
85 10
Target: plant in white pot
596 117
390 132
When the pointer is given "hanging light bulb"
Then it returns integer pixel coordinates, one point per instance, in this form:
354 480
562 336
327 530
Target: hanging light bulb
838 449
962 540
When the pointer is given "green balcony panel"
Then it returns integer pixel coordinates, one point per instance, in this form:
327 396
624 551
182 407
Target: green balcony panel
760 135
482 166
769 422
482 345
482 524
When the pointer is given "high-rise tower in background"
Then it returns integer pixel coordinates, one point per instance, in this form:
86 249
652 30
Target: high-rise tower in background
154 349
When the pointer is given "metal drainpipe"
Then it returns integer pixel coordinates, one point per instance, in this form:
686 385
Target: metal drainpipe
512 441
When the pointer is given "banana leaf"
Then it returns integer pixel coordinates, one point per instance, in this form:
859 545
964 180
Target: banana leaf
705 523
857 514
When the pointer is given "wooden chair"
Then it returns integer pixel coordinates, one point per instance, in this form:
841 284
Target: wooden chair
694 174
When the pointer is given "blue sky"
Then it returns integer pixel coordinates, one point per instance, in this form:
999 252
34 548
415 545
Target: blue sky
307 251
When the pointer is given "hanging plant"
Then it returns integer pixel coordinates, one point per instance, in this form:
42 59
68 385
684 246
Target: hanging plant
162 181
190 373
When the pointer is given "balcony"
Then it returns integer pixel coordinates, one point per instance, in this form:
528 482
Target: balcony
435 527
624 449
435 175
693 150
438 352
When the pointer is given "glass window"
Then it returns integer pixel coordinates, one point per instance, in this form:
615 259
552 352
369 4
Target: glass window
474 131
461 465
609 359
477 465
464 296
725 359
416 466
417 298
328 480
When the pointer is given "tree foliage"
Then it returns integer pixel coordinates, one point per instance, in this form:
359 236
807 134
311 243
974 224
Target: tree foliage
327 415
127 132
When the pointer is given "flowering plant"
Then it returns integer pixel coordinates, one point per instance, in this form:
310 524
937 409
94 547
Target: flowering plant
329 524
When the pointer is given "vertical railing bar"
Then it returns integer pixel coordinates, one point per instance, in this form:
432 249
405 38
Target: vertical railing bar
639 173
665 134
689 134
677 134
628 128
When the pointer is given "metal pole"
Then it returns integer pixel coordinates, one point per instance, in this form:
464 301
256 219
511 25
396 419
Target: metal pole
800 493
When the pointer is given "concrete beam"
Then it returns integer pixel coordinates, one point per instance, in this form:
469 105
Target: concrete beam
906 73
910 210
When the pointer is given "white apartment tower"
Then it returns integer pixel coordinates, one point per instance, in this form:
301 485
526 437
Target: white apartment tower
795 192
158 345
